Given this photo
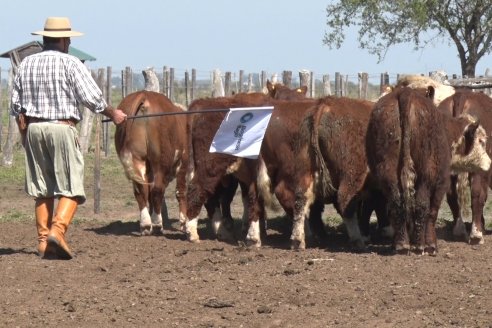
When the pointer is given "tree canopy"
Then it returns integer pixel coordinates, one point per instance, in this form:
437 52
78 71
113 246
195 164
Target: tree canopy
381 24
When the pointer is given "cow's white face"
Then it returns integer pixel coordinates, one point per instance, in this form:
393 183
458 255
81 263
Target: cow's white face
475 160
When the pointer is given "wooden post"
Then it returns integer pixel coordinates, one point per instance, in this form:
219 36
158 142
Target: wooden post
217 86
263 81
187 83
250 82
151 80
129 80
326 85
241 78
97 167
104 127
123 84
1 111
171 84
13 131
165 81
109 95
363 81
383 82
227 84
287 78
304 77
338 84
193 84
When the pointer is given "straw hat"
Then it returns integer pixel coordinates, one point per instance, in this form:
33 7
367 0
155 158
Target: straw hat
57 27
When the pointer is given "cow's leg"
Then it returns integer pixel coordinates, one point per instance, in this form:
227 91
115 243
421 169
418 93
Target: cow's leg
397 217
222 229
256 208
181 191
353 231
316 224
195 197
304 199
459 229
430 224
156 199
419 213
141 193
378 202
479 188
245 217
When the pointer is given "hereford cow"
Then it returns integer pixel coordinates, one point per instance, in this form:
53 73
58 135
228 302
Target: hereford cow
282 92
331 166
210 169
411 147
478 105
153 152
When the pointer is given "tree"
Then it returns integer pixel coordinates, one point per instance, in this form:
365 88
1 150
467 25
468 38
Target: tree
381 24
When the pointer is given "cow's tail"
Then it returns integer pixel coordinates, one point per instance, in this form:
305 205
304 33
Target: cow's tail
407 173
264 185
309 131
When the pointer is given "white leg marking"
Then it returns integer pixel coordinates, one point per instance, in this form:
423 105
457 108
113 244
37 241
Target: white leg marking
253 236
475 234
192 230
145 222
182 221
157 222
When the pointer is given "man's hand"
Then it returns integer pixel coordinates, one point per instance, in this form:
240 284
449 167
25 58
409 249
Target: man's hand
115 114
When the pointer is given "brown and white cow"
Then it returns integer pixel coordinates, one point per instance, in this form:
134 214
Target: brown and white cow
153 151
479 106
283 92
331 165
411 148
210 169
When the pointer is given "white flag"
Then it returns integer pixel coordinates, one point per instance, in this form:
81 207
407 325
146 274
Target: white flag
241 132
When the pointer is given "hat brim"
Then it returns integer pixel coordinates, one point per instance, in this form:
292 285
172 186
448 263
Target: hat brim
58 34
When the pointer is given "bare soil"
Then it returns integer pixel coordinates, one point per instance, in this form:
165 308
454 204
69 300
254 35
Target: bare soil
120 279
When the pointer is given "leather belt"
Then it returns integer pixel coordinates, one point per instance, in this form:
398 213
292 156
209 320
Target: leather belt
60 121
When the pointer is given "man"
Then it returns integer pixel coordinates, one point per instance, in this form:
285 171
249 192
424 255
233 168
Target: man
47 91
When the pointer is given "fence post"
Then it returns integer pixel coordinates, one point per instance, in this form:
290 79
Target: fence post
241 78
326 85
250 82
263 78
1 112
227 84
13 131
193 84
363 80
187 83
105 133
171 84
313 85
123 84
165 81
384 82
304 76
129 80
338 84
97 167
287 78
217 86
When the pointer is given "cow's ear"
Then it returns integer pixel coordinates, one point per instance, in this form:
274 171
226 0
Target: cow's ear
430 92
270 86
470 132
303 89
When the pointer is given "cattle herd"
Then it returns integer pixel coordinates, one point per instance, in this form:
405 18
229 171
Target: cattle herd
397 157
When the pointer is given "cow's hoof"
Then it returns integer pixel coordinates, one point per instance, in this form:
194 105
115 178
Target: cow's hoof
431 250
146 230
297 245
402 249
358 245
225 234
157 229
253 243
476 240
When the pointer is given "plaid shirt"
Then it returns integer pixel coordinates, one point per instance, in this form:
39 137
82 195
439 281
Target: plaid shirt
51 85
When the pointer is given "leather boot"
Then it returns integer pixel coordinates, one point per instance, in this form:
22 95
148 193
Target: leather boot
44 214
65 211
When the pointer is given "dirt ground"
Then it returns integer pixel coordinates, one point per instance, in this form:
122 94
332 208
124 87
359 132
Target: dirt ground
120 279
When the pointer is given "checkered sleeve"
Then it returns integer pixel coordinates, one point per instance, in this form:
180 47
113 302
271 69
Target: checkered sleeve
86 90
15 99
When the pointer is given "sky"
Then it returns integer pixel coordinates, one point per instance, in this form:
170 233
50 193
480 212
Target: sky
229 35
